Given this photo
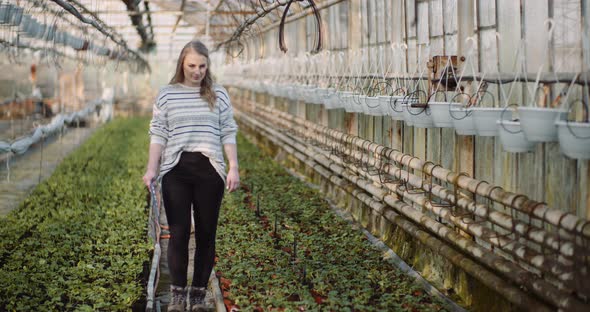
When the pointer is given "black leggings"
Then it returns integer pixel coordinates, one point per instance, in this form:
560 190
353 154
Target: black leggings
192 181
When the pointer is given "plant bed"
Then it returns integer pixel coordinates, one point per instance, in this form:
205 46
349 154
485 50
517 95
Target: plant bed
79 241
281 248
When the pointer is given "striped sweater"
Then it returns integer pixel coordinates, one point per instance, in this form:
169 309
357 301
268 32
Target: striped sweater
182 121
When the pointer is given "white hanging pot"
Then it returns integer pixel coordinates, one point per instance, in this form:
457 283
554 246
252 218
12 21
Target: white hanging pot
33 28
373 105
463 121
384 104
408 118
394 108
311 96
5 9
347 98
320 95
24 24
329 101
512 137
538 123
329 98
41 32
574 138
361 106
421 116
16 15
50 34
484 119
292 92
441 117
286 91
339 101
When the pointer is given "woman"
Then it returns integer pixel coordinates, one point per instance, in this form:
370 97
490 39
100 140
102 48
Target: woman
192 120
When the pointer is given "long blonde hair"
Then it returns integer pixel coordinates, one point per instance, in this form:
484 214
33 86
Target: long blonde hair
207 91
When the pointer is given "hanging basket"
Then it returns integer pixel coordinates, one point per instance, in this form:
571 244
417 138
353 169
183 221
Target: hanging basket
462 117
348 101
441 116
485 118
574 136
5 9
373 105
440 110
394 109
511 135
538 123
16 15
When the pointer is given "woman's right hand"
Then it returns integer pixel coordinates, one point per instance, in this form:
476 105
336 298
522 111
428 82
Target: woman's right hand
149 177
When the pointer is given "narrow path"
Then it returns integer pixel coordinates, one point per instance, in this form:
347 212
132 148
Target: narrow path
213 297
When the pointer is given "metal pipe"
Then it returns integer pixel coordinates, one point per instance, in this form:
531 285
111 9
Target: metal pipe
561 219
535 234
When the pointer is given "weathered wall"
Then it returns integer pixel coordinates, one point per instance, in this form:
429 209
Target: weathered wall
440 27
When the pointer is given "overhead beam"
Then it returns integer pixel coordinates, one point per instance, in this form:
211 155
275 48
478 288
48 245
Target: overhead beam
155 26
173 12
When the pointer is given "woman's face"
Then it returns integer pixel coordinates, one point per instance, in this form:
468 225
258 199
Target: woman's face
194 68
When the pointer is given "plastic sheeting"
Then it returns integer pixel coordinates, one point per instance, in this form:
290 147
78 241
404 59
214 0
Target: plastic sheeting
20 146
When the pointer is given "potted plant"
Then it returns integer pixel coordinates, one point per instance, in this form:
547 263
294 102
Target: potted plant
511 135
538 123
574 136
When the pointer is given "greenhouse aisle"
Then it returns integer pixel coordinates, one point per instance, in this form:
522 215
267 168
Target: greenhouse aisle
213 297
383 155
22 173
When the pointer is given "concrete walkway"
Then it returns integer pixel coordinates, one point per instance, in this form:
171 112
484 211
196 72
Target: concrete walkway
19 174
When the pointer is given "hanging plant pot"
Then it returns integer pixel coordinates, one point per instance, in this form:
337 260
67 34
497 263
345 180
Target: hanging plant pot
347 100
328 100
50 34
421 115
339 101
538 123
512 137
16 15
484 119
360 104
5 9
373 105
291 91
320 94
24 24
352 103
463 121
574 138
441 117
384 104
409 121
41 32
394 109
34 28
310 95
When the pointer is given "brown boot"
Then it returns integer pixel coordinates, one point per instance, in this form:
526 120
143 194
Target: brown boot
196 300
177 299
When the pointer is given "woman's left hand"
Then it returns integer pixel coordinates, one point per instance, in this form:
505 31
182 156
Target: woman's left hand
233 179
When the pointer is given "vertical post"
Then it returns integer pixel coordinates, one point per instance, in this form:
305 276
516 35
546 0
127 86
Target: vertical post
354 43
466 26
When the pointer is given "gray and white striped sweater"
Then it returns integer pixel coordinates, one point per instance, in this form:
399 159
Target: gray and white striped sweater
182 121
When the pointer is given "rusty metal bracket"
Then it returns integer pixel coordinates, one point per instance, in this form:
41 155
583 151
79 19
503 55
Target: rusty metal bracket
454 209
407 187
473 216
